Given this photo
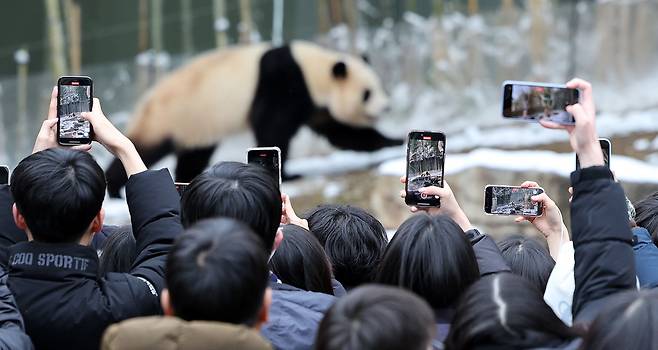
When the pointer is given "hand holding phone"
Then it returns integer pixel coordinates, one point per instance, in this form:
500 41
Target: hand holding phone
75 96
47 137
531 101
512 200
425 160
582 136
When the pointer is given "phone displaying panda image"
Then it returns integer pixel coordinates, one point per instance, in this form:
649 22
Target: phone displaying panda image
511 200
531 101
606 148
425 158
267 157
74 96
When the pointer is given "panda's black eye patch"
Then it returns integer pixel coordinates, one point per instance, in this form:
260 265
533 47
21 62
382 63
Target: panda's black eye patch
366 95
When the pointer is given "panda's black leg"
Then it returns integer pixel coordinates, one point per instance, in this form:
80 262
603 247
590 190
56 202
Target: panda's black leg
352 137
116 174
192 162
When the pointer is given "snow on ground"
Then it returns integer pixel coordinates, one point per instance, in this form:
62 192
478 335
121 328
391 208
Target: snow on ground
626 169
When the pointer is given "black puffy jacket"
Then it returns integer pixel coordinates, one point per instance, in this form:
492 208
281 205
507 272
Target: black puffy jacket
65 304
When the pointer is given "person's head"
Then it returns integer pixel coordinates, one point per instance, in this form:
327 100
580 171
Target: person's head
217 271
58 196
627 322
301 262
528 258
431 256
119 251
646 215
505 311
353 240
377 317
244 192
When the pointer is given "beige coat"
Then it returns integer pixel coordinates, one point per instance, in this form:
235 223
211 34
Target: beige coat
171 333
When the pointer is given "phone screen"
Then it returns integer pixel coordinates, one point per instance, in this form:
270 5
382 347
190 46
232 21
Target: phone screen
425 158
535 102
509 200
268 158
181 187
4 175
74 96
606 148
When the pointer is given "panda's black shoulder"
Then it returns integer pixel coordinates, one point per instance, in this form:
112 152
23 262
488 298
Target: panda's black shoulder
281 91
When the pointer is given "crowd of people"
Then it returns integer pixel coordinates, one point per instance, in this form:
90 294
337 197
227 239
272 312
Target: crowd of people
230 265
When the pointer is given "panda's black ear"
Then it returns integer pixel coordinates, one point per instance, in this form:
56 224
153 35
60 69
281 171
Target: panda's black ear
339 70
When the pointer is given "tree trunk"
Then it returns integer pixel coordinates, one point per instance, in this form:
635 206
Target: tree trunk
221 22
73 28
246 25
277 23
56 38
186 27
142 27
474 8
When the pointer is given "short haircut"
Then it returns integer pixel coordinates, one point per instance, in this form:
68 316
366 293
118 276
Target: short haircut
505 311
528 258
353 240
628 321
58 192
646 215
431 256
301 262
118 252
217 271
377 317
244 192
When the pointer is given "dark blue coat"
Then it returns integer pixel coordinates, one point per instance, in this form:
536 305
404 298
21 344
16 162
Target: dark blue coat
295 315
646 258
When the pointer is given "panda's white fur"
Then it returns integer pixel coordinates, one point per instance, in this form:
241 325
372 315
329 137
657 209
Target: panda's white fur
209 98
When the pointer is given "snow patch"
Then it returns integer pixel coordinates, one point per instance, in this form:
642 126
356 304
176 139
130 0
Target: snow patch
626 169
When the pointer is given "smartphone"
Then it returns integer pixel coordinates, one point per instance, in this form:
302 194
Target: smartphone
181 187
267 157
532 101
511 200
74 96
4 175
606 147
425 159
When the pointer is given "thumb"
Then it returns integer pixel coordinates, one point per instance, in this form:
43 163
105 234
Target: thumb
96 106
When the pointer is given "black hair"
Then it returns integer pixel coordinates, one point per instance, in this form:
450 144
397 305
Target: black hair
627 322
431 256
119 251
353 240
506 311
528 258
58 192
646 215
217 271
301 262
377 317
241 191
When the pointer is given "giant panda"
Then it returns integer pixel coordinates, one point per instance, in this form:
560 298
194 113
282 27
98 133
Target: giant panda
271 90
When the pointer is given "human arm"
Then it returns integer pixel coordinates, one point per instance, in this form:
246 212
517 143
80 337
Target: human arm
550 224
604 262
12 329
